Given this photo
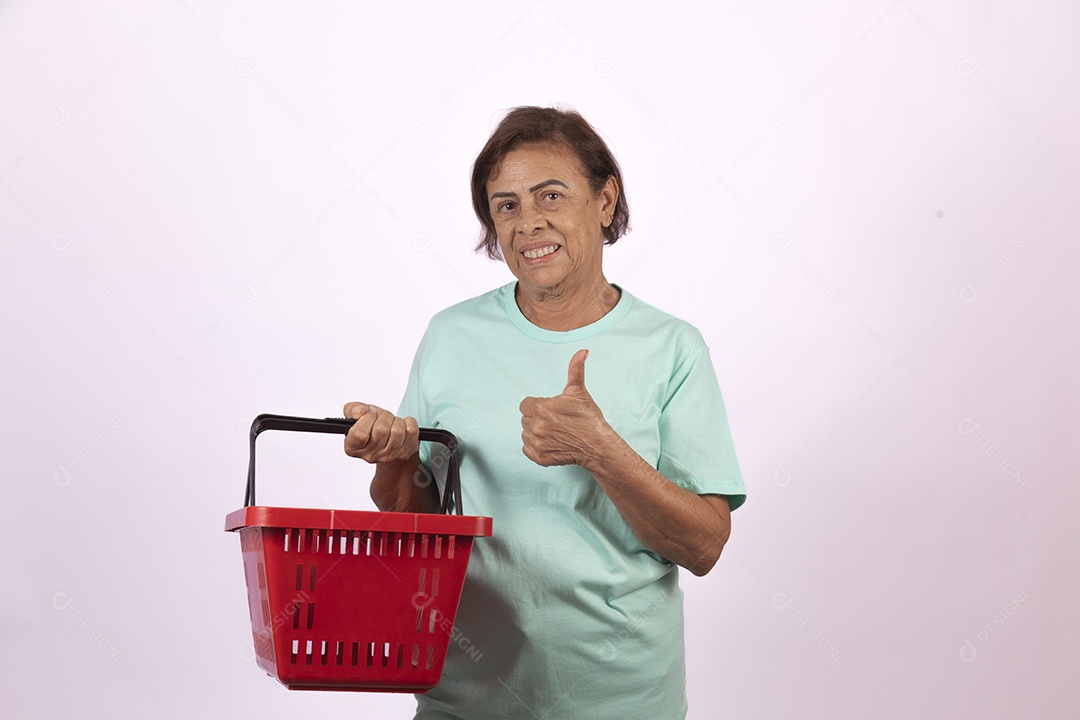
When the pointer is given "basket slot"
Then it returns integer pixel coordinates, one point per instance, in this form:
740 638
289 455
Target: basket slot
370 653
438 546
355 654
423 545
296 616
261 569
340 652
300 576
386 654
421 600
288 532
451 541
435 582
325 658
415 654
307 655
430 657
266 612
400 654
295 651
412 544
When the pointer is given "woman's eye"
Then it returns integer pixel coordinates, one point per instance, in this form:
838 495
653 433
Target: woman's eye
506 206
552 196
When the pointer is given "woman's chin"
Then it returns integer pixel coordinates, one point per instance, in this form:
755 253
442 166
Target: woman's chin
540 279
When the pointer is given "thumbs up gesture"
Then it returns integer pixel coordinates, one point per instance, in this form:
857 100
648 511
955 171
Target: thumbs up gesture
567 429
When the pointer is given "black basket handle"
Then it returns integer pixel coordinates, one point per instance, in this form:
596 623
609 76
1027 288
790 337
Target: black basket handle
451 495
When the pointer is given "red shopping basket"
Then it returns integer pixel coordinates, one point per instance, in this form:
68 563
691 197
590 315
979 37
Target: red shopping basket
351 599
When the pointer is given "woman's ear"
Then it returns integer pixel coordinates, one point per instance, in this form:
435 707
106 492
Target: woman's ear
609 195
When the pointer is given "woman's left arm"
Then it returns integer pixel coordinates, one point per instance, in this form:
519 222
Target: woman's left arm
675 523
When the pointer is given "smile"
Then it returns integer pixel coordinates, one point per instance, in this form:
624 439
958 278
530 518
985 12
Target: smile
540 252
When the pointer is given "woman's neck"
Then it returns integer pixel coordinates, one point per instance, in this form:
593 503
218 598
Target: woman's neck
562 310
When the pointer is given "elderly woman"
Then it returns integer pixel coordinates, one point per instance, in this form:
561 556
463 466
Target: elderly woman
600 483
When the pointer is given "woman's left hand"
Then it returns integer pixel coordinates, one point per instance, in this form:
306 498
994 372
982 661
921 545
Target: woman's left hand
675 523
567 429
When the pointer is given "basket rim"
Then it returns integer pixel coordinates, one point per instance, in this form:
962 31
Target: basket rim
261 516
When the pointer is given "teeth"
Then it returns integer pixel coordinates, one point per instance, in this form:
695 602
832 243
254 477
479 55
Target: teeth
540 252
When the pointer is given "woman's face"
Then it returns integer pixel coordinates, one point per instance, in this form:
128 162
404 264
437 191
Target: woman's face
549 222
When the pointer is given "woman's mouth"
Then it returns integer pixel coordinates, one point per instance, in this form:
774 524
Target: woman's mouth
540 252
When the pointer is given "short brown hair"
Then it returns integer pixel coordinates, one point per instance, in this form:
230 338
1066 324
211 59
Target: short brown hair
530 125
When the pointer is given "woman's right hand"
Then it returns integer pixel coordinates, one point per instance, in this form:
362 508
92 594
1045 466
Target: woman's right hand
379 436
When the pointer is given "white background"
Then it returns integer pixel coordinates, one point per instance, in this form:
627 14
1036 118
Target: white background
210 211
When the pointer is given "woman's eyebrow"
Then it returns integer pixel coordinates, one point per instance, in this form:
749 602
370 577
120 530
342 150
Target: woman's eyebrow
537 186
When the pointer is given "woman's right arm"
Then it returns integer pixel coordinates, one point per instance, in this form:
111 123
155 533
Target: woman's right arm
401 482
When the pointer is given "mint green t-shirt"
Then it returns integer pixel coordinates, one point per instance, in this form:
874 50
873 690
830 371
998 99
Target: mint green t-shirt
565 613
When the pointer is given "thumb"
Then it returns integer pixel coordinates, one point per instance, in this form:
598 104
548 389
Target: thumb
575 374
357 410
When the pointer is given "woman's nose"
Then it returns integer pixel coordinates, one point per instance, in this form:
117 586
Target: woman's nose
530 220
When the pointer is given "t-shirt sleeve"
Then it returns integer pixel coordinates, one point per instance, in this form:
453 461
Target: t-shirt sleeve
697 452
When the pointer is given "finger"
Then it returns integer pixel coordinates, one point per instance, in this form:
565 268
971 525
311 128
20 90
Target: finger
395 440
532 418
356 410
526 446
380 431
530 452
353 410
359 437
575 374
527 406
412 436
